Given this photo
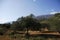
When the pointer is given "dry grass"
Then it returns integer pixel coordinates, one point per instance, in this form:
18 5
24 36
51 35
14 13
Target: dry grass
7 37
4 37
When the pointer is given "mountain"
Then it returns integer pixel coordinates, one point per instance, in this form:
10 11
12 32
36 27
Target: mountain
44 16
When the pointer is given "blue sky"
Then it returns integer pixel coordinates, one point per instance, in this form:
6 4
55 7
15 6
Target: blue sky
11 10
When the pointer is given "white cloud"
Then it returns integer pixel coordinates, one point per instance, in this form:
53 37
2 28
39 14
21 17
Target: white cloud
3 20
54 12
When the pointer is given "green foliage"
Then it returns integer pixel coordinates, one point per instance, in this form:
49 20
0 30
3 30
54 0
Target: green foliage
4 28
55 22
24 23
57 14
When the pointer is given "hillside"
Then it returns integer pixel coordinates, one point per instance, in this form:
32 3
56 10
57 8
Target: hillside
47 16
